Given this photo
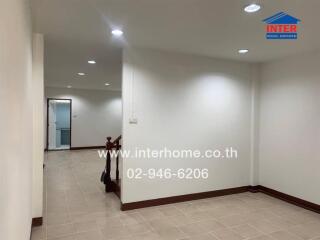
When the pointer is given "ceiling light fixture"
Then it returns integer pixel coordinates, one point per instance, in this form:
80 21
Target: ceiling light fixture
243 51
81 74
92 62
252 8
69 86
117 32
107 84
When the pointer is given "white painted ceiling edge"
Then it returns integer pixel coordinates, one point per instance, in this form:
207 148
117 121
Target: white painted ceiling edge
79 30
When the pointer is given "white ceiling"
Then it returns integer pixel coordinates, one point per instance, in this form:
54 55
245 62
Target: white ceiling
78 30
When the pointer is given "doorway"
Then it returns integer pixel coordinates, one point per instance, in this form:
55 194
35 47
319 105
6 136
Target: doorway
59 124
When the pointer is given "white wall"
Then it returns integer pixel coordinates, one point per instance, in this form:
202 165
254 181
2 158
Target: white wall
38 126
16 120
96 114
289 126
182 102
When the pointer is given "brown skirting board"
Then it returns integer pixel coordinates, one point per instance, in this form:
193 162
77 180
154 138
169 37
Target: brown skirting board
36 222
182 198
254 189
89 147
287 198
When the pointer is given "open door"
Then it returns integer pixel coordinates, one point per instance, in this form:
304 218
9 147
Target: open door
52 125
59 124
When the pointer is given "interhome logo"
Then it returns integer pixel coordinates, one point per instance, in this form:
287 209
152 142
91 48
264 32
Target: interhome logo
282 26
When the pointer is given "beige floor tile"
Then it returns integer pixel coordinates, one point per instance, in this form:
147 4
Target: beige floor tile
77 208
57 209
131 218
206 205
81 217
180 220
199 215
283 235
246 231
108 221
265 226
38 233
138 228
57 219
151 213
170 211
193 229
211 225
206 236
114 232
262 237
161 223
71 237
172 233
219 212
85 226
306 231
260 214
60 231
285 209
226 234
91 235
147 236
232 220
186 207
303 217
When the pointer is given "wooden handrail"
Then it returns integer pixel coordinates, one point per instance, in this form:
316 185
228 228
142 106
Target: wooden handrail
110 145
117 139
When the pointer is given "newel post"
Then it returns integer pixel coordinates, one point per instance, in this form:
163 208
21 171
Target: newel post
117 167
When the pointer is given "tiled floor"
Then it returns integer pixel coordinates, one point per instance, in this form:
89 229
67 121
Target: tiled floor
77 208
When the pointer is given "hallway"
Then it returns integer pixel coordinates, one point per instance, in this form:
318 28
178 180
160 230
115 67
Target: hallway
77 208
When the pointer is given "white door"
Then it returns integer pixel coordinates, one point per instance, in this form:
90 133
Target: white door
52 128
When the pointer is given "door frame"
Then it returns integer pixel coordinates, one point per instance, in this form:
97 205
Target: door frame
47 143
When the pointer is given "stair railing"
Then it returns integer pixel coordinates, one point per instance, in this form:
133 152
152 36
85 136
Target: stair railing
111 186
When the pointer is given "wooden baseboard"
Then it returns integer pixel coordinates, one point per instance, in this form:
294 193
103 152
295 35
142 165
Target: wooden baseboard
182 198
195 196
88 147
288 198
254 189
36 222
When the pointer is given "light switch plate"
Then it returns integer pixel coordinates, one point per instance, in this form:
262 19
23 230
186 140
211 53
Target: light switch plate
133 120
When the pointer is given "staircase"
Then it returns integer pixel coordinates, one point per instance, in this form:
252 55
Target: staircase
112 185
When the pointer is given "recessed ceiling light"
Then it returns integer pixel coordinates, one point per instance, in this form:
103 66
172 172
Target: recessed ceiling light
81 74
107 84
117 32
252 8
69 86
92 61
242 51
